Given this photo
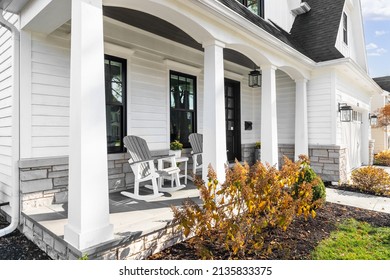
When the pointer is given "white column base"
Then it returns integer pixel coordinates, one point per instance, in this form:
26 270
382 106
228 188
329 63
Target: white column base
86 239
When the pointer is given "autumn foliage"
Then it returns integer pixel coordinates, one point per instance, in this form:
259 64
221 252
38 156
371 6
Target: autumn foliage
384 116
237 214
371 179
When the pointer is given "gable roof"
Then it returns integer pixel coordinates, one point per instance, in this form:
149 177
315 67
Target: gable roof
383 82
313 34
317 30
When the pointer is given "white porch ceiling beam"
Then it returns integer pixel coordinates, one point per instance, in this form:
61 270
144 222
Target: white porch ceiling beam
45 16
88 213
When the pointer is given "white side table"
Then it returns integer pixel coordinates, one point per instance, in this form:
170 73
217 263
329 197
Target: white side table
179 160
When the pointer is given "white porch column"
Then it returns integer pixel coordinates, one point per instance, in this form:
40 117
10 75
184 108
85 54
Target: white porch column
214 131
88 213
301 134
269 124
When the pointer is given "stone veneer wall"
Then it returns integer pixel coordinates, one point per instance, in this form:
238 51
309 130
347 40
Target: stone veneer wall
130 248
44 181
328 161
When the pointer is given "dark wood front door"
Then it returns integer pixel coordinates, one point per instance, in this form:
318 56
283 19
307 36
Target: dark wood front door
233 124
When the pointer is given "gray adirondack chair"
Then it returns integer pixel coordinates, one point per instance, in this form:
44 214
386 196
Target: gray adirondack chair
143 166
196 141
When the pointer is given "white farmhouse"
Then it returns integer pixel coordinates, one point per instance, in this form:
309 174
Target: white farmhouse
79 75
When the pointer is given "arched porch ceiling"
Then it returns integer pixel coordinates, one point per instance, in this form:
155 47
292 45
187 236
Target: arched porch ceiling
182 27
163 28
157 9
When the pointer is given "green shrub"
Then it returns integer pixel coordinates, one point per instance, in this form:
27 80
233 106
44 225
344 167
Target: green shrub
307 174
371 179
236 214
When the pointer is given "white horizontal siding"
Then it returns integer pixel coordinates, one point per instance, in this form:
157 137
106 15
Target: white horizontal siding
319 90
149 100
50 83
247 113
285 101
6 108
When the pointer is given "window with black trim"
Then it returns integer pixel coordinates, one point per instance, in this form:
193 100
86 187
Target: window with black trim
182 107
115 82
345 28
255 6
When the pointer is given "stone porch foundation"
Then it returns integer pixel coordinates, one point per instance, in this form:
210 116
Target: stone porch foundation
128 248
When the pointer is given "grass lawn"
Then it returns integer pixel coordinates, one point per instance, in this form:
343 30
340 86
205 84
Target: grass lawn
355 240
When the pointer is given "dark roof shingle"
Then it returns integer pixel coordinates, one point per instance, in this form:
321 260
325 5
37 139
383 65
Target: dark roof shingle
313 33
383 82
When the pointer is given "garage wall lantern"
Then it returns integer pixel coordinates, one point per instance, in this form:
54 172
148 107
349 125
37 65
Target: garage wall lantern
373 119
345 112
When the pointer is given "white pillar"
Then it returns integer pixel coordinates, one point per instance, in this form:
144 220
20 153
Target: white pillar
269 124
214 131
88 212
301 135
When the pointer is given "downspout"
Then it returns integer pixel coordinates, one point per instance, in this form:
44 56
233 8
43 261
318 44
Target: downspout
15 195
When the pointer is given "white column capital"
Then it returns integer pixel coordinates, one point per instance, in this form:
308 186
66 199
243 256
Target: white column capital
213 42
268 67
301 80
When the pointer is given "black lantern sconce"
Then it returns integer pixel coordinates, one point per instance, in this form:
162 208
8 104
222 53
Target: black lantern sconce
345 112
254 78
373 119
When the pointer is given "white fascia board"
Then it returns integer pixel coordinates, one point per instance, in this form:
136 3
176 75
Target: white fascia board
45 16
356 69
253 30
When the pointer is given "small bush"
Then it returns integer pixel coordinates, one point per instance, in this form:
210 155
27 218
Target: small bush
236 214
307 174
371 179
382 158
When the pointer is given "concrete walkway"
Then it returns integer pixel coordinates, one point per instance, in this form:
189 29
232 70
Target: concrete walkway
364 201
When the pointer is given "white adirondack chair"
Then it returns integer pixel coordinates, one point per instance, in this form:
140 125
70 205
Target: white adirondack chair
143 166
196 141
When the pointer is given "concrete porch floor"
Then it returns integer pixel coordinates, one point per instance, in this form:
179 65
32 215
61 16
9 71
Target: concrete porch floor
132 219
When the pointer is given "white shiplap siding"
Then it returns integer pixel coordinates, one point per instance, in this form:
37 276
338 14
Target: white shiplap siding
149 103
50 78
6 103
319 92
285 101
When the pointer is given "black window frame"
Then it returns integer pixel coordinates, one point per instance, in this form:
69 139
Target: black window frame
345 28
260 6
195 120
121 148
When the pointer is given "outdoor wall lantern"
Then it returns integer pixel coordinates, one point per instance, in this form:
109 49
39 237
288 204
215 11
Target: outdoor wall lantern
345 112
373 119
254 78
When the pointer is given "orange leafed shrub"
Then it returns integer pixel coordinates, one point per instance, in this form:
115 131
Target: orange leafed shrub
383 158
236 214
371 179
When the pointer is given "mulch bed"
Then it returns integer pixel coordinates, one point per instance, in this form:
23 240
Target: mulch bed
15 246
296 243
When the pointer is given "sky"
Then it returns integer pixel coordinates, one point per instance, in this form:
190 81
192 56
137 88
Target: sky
376 17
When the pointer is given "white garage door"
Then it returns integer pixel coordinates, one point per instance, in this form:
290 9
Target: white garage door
352 138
